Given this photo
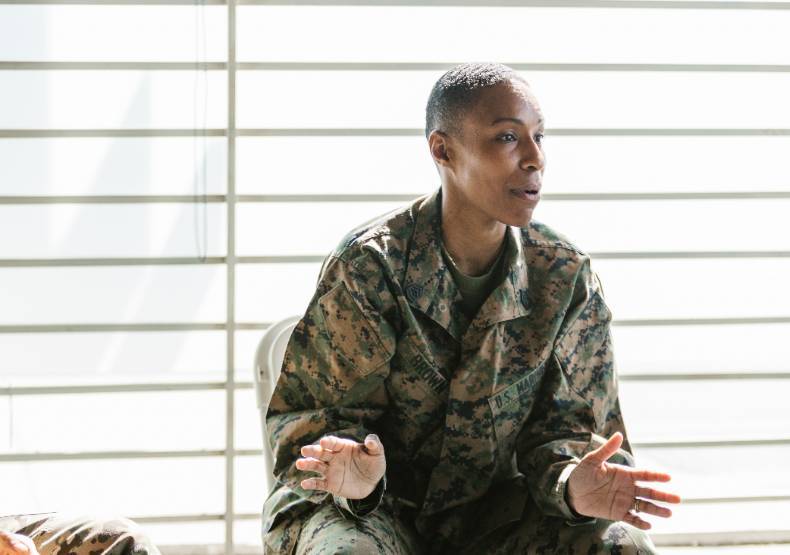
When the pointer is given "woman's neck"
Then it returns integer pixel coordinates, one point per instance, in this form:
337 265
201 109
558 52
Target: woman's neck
472 240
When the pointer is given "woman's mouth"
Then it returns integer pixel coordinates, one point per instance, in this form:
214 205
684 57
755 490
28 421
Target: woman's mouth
532 195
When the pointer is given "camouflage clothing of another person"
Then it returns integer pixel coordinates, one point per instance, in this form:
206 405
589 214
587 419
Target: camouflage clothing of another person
63 534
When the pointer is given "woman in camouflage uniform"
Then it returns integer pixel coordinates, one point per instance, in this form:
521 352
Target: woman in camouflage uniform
451 386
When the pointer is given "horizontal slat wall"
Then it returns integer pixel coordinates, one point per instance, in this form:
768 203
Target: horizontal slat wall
111 99
512 34
636 100
82 33
670 169
111 166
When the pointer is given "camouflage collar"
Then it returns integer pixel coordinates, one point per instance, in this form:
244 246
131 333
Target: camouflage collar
429 285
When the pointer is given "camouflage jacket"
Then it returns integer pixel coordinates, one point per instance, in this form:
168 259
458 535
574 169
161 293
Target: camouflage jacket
474 416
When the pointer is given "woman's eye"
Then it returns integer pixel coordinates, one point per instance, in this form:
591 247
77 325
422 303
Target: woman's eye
539 138
501 137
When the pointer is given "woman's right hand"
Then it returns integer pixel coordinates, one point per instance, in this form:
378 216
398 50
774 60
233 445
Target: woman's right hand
345 467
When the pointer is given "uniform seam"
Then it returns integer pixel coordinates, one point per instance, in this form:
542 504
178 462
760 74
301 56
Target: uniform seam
557 245
360 241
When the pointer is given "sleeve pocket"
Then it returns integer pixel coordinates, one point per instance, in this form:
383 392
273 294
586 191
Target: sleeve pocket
350 333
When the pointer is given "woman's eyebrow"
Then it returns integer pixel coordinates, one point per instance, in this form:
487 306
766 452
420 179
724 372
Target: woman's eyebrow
514 120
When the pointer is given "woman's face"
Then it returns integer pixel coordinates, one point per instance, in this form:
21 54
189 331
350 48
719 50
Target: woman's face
496 167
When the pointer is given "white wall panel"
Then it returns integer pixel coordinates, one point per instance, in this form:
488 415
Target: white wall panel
124 487
101 357
640 164
706 409
270 292
745 549
701 472
334 165
369 99
246 344
167 420
701 349
114 295
186 533
248 533
5 409
248 421
541 35
707 288
113 230
726 518
251 486
113 166
301 228
111 99
670 225
113 33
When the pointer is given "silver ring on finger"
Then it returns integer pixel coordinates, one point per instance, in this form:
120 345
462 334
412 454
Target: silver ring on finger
635 508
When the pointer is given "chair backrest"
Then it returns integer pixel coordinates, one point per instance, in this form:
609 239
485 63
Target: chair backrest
266 370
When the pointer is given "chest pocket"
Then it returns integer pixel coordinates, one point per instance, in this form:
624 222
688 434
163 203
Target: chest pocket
511 406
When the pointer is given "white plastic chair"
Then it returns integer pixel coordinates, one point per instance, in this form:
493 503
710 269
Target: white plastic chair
268 362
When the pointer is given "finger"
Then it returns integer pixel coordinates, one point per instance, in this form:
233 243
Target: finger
314 483
373 445
648 475
316 452
605 451
331 443
312 465
650 493
634 520
653 509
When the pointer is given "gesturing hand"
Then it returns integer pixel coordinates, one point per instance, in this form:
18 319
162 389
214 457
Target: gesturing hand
345 467
601 489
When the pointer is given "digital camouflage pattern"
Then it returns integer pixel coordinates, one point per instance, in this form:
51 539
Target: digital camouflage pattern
478 418
62 534
390 531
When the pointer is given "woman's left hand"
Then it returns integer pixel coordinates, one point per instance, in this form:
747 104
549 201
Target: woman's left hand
607 490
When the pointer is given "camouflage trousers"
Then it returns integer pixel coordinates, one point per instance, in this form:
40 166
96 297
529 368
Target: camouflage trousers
61 534
326 531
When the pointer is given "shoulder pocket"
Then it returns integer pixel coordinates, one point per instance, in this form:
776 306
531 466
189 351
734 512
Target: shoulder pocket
350 332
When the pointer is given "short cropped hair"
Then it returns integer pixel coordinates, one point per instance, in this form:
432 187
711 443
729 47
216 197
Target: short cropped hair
457 91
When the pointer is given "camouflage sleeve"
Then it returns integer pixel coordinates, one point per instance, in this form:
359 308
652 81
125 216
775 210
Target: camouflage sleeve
577 406
362 507
332 379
